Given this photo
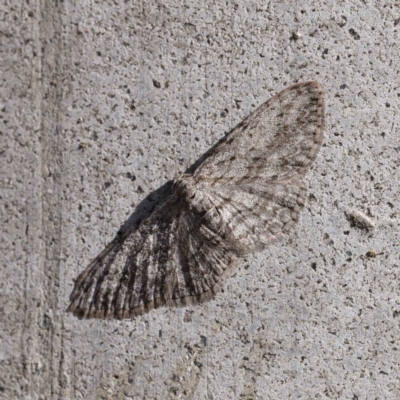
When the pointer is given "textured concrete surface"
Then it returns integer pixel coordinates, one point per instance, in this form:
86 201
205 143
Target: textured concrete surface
103 102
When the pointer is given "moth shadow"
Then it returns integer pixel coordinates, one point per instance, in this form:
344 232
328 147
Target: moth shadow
155 198
146 207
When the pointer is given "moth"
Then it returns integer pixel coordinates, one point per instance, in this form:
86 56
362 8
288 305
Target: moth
246 194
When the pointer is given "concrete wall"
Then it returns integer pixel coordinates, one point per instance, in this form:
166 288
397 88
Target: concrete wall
103 102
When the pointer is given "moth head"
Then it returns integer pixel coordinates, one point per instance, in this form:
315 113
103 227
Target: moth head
184 186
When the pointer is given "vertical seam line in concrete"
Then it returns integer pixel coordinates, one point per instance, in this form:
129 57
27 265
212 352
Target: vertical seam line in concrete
51 174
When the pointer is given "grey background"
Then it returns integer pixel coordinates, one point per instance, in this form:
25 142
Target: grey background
103 102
